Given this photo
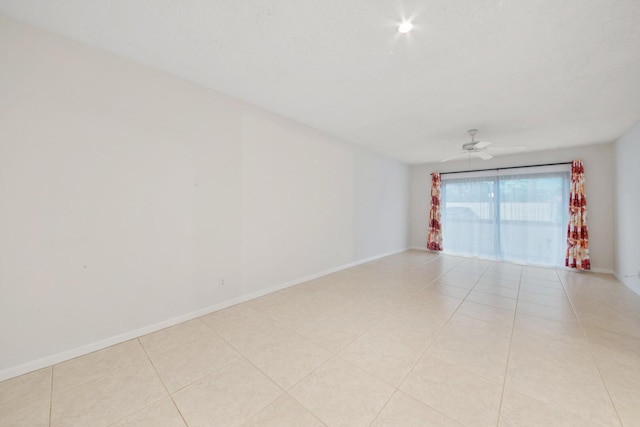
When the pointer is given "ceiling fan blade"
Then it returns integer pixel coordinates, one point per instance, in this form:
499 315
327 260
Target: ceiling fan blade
508 148
455 156
484 155
482 144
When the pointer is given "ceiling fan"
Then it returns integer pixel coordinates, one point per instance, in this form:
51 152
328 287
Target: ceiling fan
480 149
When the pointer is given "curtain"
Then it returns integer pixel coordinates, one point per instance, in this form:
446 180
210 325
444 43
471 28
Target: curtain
577 232
512 214
469 217
533 216
434 238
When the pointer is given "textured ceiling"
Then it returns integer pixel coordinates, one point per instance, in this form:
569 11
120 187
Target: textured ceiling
543 73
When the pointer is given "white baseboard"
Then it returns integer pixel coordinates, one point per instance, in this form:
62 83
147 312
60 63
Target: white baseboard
126 336
416 248
598 270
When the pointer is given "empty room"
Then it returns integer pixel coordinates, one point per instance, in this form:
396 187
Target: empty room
336 213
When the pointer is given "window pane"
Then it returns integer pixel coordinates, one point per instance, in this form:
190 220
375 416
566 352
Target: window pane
533 218
520 217
469 216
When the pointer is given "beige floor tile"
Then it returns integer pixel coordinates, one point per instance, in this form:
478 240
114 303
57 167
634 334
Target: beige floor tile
473 265
534 284
25 400
503 270
441 262
183 365
624 393
502 291
558 300
435 303
325 298
548 328
107 399
414 328
174 336
543 287
33 413
332 338
597 296
406 411
466 397
448 290
382 357
475 345
295 315
502 282
409 281
545 312
335 331
540 273
599 304
222 318
521 410
94 365
609 346
502 273
288 361
291 294
285 411
249 334
456 281
533 288
541 352
626 399
22 391
492 300
162 413
618 358
228 398
341 394
487 313
577 389
461 275
622 322
380 303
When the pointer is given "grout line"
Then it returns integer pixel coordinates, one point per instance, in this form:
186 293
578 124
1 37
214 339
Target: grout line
586 337
337 354
299 403
506 368
424 352
163 384
434 338
397 389
51 397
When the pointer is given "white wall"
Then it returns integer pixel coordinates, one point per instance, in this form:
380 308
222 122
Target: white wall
125 193
598 163
627 229
310 203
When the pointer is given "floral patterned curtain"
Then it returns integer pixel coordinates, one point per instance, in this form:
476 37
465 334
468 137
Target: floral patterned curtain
434 238
577 232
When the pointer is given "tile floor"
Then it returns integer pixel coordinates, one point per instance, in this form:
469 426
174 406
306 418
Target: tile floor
414 339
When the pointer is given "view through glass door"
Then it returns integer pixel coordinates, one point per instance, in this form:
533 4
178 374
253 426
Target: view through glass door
513 214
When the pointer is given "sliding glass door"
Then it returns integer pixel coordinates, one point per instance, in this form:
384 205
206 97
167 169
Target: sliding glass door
513 214
469 217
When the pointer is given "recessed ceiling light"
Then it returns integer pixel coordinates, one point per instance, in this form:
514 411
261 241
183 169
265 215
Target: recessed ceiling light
405 27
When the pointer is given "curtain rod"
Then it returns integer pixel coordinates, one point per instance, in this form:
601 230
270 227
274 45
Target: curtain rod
511 167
